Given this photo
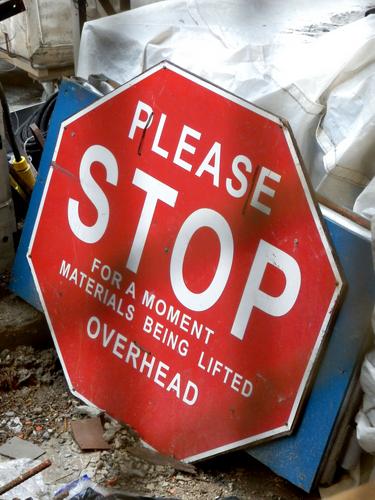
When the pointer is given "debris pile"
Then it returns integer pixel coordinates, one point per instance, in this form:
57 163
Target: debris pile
37 409
25 367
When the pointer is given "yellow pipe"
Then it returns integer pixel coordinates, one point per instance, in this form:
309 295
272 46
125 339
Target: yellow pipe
14 184
24 173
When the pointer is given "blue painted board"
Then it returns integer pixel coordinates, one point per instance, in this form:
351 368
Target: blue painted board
298 457
72 98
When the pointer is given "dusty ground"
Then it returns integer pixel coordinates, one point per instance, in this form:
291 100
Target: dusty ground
35 404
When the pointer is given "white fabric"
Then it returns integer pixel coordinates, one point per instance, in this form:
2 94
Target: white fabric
365 203
323 85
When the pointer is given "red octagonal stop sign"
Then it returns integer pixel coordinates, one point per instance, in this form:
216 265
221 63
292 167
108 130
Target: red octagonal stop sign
182 264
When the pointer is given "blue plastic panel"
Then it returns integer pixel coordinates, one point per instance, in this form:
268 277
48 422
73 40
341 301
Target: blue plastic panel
71 99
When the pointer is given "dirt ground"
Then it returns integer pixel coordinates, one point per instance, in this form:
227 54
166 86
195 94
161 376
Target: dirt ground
36 405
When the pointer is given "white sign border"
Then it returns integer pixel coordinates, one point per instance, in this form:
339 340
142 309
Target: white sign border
287 428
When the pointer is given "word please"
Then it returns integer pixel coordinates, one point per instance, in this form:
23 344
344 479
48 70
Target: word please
185 151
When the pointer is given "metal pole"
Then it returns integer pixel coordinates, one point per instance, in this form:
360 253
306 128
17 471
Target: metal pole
82 14
26 475
7 217
124 5
79 18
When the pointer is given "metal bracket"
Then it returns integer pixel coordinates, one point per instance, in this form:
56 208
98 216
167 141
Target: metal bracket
7 216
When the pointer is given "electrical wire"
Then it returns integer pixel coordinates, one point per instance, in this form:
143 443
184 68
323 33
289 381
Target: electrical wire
26 142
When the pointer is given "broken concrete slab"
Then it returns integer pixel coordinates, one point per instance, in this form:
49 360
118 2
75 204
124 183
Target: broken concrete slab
19 448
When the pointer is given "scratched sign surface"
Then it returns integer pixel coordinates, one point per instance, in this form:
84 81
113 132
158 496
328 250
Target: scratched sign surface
182 265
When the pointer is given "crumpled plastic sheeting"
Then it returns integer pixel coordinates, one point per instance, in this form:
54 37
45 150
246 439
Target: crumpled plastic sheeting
365 203
324 86
82 489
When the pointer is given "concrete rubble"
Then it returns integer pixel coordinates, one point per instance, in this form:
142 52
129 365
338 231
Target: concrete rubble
35 405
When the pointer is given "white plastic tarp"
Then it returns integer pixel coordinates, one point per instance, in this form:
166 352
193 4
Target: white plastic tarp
322 83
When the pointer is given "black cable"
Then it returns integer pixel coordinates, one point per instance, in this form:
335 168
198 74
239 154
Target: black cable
8 125
37 117
41 118
47 112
